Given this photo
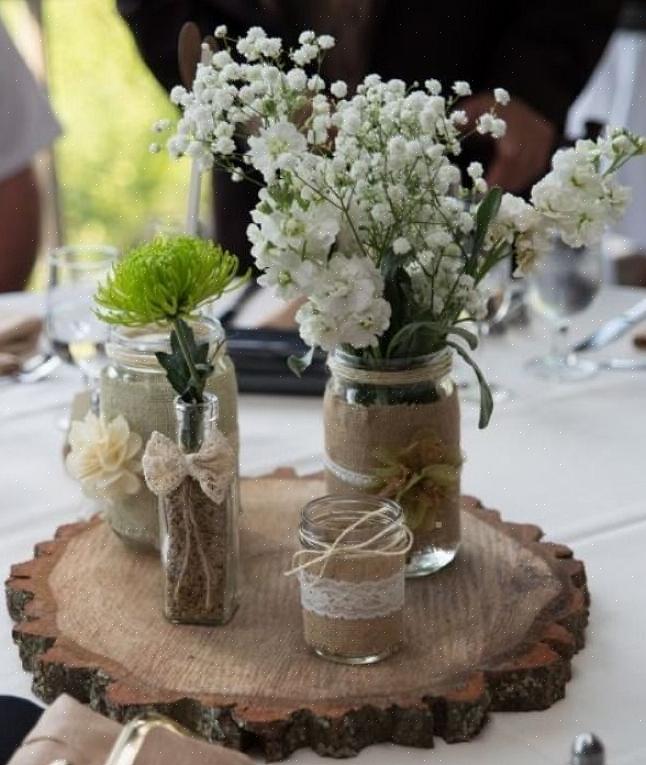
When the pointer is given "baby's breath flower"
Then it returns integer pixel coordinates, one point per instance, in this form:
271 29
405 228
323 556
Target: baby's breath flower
434 87
221 31
307 36
339 89
401 246
161 126
475 170
326 42
502 96
461 88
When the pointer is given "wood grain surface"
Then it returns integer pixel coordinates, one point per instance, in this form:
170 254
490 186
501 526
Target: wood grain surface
495 631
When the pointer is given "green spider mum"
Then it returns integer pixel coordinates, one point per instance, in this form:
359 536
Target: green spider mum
164 280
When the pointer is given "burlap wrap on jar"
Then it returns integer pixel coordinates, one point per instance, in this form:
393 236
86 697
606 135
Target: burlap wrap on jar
394 431
135 385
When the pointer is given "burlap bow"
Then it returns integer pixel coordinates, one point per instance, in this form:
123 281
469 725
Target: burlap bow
166 466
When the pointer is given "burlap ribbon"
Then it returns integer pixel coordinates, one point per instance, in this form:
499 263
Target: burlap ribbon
166 466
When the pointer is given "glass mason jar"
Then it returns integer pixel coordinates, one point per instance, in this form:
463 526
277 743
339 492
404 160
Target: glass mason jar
351 571
135 385
199 536
393 429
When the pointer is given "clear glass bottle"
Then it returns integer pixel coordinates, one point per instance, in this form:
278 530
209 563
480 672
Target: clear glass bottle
135 385
199 537
393 429
353 594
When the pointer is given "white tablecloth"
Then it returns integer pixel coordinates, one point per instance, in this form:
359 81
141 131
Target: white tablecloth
569 457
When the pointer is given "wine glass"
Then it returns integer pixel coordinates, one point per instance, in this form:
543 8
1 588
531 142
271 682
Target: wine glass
562 284
496 287
74 332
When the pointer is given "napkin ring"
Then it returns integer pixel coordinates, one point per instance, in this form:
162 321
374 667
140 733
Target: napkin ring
131 739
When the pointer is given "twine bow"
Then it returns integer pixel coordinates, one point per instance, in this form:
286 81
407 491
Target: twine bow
166 466
419 477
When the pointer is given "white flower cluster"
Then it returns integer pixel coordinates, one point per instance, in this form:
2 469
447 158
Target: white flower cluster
581 195
362 195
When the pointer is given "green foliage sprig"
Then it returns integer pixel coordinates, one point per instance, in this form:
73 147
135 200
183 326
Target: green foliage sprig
167 281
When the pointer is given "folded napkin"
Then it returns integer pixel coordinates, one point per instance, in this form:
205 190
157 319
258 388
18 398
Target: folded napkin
70 731
18 340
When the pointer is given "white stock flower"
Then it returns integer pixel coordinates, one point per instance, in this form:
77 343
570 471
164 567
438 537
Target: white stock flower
104 457
276 148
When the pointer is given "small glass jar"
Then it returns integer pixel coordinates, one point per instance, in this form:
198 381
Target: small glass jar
392 428
134 385
351 572
199 536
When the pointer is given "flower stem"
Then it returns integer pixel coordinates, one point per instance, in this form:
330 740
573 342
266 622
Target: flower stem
197 386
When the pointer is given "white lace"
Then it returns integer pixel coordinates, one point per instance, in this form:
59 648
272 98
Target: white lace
362 481
351 600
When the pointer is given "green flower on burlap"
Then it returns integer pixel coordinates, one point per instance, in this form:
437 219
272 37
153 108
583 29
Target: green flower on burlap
420 477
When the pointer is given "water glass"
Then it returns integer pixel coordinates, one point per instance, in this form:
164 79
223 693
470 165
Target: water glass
74 332
564 283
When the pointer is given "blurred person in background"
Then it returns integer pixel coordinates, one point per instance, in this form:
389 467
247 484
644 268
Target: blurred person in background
27 125
542 52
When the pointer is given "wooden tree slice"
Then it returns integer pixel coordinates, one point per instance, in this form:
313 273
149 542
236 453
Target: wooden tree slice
495 631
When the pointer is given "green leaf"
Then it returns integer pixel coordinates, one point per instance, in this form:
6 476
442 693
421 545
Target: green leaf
396 289
470 338
177 372
487 211
298 364
486 399
406 335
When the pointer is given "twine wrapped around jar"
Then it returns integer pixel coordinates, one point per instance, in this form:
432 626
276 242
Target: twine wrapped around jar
351 573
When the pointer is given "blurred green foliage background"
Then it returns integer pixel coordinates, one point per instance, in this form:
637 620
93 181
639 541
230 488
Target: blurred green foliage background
112 189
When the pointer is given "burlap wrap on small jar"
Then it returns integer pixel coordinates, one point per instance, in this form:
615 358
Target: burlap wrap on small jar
394 431
351 573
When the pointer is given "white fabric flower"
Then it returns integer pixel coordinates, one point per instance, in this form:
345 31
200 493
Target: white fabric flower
104 457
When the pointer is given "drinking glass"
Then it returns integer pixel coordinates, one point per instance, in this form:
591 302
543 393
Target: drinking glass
562 284
74 332
496 286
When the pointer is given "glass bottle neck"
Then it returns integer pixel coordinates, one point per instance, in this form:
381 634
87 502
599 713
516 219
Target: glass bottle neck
195 422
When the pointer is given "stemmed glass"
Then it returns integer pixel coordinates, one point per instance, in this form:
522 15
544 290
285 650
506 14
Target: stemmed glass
562 284
496 286
73 331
